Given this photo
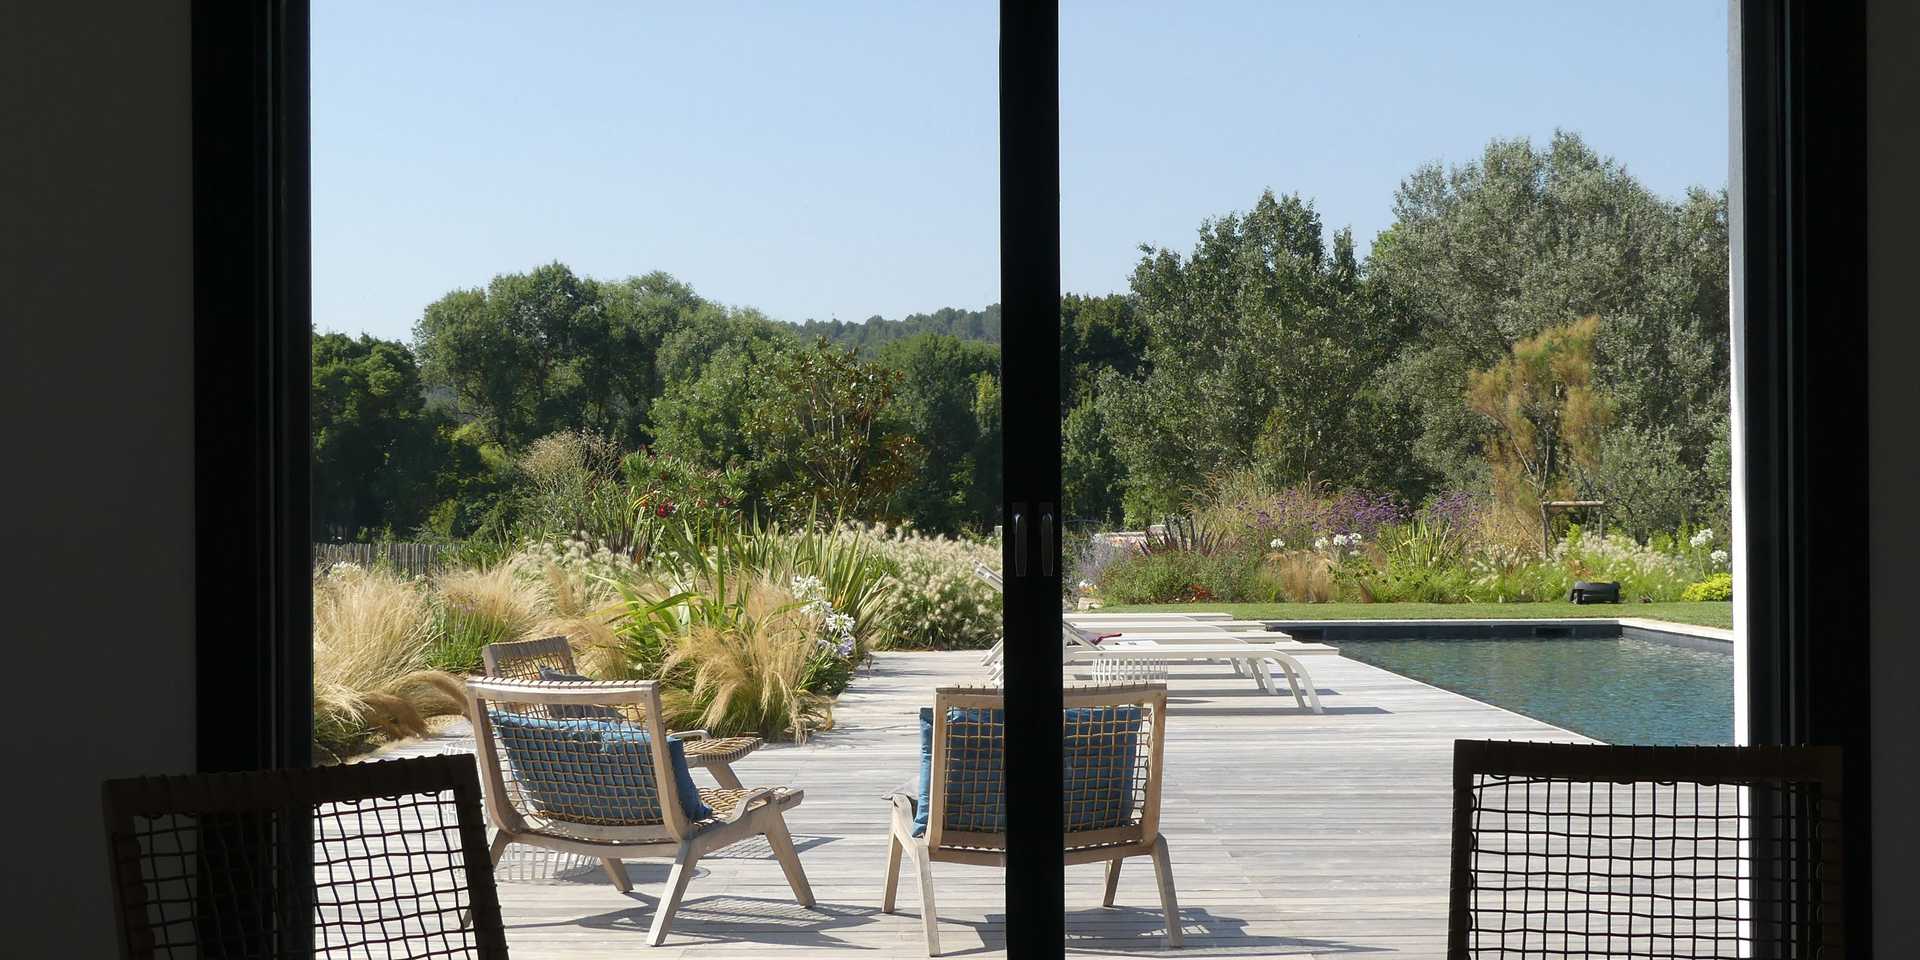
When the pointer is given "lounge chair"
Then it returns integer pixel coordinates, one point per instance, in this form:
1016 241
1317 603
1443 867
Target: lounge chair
587 768
1154 621
551 658
1113 739
1120 659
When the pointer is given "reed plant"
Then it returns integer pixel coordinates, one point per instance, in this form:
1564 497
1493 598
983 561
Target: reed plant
747 665
371 678
473 608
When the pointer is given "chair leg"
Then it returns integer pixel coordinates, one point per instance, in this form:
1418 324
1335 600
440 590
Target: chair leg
1113 880
1169 903
1258 670
893 873
1296 668
499 849
929 915
670 899
782 843
724 776
617 872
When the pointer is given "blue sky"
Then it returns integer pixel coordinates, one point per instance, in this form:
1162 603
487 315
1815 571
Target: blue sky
839 159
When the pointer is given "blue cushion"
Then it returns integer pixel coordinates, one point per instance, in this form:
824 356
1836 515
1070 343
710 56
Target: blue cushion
1097 769
1102 746
594 769
576 710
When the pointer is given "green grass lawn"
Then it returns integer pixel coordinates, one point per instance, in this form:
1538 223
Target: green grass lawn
1702 614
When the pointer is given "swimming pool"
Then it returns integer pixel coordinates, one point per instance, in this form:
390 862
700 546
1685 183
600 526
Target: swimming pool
1623 690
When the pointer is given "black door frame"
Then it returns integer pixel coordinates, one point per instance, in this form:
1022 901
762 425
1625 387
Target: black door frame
1799 216
1030 391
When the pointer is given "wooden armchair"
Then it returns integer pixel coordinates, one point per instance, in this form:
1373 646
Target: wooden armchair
522 660
1113 738
559 771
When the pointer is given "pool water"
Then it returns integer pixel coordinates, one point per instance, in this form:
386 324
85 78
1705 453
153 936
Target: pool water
1616 691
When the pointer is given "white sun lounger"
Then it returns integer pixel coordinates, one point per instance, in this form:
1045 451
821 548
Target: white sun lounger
1114 660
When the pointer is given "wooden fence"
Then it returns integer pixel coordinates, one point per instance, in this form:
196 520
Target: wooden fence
411 559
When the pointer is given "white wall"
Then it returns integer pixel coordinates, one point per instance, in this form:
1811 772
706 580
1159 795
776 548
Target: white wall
1892 528
96 478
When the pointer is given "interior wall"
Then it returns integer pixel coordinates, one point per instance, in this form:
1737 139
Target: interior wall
96 407
1891 530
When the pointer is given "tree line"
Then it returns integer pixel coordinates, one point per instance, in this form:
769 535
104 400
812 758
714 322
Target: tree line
1264 347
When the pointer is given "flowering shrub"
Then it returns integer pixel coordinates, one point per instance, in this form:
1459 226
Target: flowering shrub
1716 587
1244 510
1292 546
938 602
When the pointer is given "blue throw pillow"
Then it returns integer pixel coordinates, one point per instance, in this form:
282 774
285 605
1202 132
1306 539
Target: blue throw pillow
592 711
593 769
975 774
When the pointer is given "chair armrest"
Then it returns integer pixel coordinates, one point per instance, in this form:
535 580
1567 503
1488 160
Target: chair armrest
687 735
757 793
901 806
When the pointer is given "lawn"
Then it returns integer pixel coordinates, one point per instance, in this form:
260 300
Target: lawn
1702 614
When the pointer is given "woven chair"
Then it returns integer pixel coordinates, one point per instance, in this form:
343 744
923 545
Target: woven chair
1113 738
1578 850
578 767
522 660
367 859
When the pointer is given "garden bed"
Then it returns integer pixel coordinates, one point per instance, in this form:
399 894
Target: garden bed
1705 614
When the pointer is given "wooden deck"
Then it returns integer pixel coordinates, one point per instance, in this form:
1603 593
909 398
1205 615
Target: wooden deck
1293 835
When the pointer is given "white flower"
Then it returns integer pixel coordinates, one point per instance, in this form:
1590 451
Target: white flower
1276 544
1086 585
1719 556
1320 544
1353 538
1701 538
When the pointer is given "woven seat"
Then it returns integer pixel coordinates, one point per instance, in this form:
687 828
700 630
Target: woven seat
587 768
1111 749
522 660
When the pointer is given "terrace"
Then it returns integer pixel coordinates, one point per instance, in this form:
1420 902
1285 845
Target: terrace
1292 834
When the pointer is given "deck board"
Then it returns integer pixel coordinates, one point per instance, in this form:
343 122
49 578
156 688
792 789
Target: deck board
1292 835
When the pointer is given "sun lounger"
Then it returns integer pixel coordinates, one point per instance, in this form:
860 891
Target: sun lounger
1114 660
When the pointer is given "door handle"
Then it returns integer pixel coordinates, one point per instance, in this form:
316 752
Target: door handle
1020 539
1047 548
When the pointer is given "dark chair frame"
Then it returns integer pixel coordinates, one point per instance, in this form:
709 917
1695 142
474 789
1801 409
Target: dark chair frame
287 841
1813 835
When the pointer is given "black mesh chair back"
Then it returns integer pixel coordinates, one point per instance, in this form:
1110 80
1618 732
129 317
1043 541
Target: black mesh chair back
381 859
1586 850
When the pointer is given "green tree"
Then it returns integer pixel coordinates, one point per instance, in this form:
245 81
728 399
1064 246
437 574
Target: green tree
938 404
1092 478
373 441
1259 337
822 438
1484 255
1097 334
540 352
703 417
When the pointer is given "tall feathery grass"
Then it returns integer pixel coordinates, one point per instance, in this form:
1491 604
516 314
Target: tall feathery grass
748 670
371 678
473 608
